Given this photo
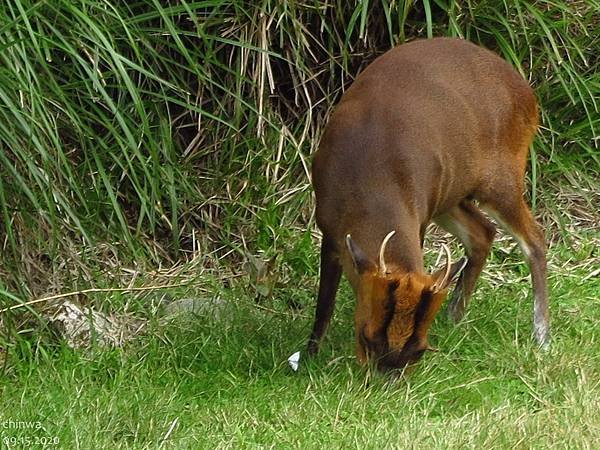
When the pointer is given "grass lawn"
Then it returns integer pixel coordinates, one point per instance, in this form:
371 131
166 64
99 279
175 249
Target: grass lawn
222 380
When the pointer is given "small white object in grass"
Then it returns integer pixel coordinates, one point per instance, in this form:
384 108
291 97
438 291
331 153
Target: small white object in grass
293 361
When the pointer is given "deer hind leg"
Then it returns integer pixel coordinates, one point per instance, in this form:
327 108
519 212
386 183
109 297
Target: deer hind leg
331 272
476 233
513 214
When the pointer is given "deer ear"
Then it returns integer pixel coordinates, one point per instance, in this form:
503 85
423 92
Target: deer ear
361 262
443 278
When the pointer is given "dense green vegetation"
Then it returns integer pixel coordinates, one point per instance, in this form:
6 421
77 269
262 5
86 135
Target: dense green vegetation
163 142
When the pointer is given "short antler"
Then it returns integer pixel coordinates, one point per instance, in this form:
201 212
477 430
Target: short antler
437 286
382 266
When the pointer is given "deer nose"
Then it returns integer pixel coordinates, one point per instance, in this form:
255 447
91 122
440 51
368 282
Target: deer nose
374 346
400 359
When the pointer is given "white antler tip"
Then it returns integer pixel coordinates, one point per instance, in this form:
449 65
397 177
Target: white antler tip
437 286
382 266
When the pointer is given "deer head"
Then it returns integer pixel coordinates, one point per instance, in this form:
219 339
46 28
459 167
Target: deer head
395 308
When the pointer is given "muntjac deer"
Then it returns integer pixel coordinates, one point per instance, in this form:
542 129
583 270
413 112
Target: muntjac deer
433 130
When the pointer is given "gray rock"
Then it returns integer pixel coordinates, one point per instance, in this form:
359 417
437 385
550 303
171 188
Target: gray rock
79 326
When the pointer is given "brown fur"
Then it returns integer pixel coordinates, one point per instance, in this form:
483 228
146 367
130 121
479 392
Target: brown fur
426 129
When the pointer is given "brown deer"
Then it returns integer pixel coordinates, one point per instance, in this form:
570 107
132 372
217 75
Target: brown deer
433 130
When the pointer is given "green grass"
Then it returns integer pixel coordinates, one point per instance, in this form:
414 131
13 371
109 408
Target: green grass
129 131
223 381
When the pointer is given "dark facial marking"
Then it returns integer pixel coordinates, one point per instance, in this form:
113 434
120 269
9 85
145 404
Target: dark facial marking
423 306
410 353
390 306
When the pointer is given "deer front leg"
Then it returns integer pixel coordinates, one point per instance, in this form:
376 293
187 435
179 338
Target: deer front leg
329 280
